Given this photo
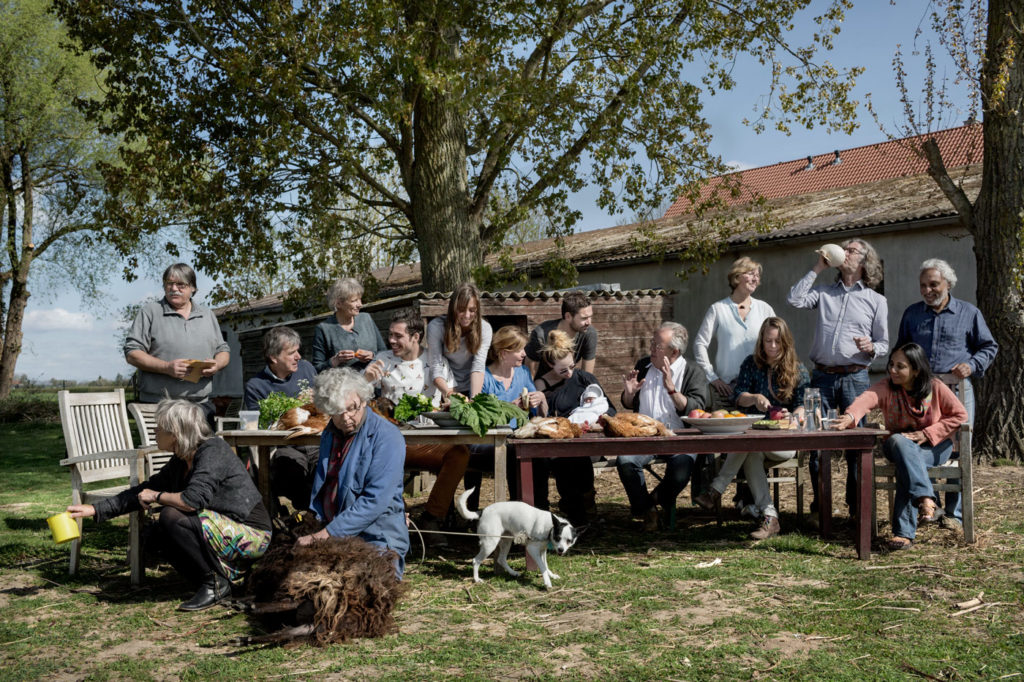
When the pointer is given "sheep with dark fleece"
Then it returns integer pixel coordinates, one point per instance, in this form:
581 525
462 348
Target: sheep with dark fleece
329 591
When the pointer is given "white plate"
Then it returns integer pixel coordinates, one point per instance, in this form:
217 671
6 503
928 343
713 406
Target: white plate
720 425
443 419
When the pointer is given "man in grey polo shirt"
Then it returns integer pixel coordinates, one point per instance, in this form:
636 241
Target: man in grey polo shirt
167 334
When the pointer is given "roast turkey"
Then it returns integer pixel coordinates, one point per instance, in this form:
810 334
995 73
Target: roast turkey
549 427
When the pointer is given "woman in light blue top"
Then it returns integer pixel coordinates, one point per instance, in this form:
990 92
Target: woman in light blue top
462 338
733 323
350 338
506 376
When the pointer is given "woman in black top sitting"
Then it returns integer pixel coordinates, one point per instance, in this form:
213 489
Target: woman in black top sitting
212 522
563 386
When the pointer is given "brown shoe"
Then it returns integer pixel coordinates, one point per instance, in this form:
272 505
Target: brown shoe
769 527
709 499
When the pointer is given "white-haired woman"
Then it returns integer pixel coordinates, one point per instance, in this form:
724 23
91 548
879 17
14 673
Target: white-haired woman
350 338
212 523
357 487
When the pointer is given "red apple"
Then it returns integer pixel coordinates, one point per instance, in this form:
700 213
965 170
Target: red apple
695 414
777 413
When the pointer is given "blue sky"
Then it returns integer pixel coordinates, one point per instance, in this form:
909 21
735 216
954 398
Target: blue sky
65 339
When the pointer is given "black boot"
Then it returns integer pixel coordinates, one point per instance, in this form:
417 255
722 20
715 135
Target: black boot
214 588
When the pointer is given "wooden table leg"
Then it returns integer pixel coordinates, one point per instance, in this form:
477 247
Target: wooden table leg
500 471
825 493
263 454
524 476
866 490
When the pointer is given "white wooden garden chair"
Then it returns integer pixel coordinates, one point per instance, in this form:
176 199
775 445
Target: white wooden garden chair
144 415
99 448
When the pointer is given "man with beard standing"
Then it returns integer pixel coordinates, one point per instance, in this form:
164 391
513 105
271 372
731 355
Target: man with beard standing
956 341
577 314
851 330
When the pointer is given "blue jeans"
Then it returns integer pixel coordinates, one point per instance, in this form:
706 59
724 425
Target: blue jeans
631 473
838 391
912 482
954 506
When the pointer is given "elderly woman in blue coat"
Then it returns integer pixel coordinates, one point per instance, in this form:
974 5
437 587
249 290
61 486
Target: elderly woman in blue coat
357 488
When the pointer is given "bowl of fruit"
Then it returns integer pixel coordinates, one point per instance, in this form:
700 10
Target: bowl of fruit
721 421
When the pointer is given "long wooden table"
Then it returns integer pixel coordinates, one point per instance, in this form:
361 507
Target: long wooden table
692 441
265 441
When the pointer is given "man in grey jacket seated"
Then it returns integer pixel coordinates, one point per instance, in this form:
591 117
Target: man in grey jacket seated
663 386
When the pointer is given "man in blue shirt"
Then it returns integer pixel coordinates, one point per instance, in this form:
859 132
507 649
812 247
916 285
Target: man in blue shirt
955 338
291 469
851 330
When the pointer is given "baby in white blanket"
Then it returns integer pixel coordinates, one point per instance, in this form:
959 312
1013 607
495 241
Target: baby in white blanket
593 404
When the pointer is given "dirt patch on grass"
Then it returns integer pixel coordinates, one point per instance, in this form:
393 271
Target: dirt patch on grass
579 620
793 643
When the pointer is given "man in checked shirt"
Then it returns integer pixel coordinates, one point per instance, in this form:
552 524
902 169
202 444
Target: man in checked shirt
851 331
956 340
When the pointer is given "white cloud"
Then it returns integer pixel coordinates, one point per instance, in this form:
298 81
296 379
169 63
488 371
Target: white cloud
739 165
56 320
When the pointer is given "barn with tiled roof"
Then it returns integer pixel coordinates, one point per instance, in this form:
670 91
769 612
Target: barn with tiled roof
880 193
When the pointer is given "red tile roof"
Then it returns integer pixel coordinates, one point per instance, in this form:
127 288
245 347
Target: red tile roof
881 161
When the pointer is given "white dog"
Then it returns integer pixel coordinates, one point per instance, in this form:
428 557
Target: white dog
504 522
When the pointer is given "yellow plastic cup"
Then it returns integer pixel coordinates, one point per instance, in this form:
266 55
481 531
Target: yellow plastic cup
63 527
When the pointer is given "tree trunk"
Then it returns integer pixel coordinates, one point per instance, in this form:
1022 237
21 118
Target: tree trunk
449 244
448 239
999 236
12 335
21 256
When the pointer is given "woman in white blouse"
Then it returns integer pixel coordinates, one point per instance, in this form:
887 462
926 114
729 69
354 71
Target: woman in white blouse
733 323
462 337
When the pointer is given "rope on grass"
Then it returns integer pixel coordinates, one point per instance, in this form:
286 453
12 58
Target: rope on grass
519 538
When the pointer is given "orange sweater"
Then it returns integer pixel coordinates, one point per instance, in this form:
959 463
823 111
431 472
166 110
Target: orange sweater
943 418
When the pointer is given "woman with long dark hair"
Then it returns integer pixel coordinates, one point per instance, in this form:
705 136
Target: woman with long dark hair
462 337
771 377
922 414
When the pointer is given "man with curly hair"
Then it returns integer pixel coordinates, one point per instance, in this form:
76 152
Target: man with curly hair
851 330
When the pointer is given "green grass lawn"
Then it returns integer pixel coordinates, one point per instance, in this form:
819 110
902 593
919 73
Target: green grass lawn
627 606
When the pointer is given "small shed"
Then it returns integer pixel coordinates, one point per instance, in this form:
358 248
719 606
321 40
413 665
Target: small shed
625 322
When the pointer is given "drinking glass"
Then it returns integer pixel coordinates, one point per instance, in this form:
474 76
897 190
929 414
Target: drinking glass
831 418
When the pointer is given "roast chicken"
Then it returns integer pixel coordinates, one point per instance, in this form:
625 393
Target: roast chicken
549 427
631 425
301 421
